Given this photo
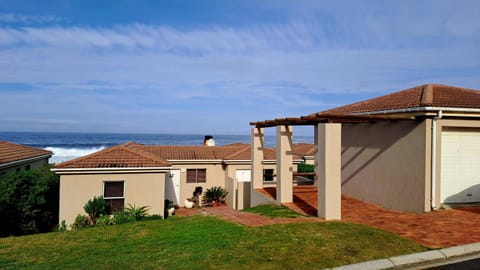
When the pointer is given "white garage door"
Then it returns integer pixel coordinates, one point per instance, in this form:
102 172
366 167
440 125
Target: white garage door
243 175
460 165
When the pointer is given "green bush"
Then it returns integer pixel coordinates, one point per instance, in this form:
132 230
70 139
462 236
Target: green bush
81 221
137 212
215 194
105 220
29 202
62 226
305 168
122 217
94 208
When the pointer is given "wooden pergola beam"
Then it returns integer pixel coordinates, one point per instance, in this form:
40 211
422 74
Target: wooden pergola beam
314 119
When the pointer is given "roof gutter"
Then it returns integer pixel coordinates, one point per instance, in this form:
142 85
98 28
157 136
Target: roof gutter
266 161
108 170
22 161
195 161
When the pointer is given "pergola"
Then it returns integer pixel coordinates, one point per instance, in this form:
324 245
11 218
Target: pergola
327 140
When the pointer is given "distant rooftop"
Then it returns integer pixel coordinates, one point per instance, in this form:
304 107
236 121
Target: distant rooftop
11 152
134 155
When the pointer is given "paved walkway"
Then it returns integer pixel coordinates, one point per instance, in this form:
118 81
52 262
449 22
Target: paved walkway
442 228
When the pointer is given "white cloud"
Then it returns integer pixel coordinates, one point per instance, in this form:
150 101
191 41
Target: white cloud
137 71
26 19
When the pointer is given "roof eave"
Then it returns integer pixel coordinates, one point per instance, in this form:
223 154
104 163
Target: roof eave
421 109
109 170
195 161
23 161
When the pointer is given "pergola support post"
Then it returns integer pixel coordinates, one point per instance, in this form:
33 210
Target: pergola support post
284 164
256 166
328 170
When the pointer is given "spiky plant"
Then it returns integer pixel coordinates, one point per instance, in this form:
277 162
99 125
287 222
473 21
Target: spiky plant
216 194
137 212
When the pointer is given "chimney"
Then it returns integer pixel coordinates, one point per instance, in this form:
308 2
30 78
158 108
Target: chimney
208 140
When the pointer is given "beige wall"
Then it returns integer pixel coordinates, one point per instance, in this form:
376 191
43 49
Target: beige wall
232 184
22 166
223 175
388 163
216 176
141 189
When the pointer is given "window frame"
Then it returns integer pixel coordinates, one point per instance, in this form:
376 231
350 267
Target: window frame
108 199
196 175
271 175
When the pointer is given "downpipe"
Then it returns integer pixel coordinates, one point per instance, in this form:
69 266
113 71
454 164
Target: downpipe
433 160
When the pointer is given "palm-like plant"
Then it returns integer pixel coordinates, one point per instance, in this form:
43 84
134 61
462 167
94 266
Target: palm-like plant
215 194
95 208
137 212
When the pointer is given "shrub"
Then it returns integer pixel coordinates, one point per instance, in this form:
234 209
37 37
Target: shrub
137 212
216 194
105 220
81 221
62 226
305 168
29 201
95 208
122 217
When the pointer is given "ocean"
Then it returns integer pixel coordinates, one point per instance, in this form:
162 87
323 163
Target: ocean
67 146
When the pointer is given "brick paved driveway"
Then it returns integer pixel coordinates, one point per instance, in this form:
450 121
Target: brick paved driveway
442 228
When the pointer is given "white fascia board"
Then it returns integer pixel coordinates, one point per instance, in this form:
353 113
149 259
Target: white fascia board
22 161
246 162
196 161
109 170
295 161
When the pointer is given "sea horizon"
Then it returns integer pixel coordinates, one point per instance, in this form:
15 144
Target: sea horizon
70 145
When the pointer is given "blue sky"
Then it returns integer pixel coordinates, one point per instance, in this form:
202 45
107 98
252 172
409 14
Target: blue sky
214 66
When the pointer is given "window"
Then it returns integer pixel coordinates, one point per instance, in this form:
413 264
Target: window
27 167
267 175
196 175
113 194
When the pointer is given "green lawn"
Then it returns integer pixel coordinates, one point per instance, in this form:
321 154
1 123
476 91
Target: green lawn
202 242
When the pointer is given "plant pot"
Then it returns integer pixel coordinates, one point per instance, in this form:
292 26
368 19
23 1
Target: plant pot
171 211
217 203
189 204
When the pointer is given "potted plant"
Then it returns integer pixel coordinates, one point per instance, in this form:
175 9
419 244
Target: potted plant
215 196
170 207
189 203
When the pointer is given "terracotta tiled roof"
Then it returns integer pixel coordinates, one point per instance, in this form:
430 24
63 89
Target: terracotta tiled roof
245 154
304 149
10 152
137 155
435 95
191 152
120 156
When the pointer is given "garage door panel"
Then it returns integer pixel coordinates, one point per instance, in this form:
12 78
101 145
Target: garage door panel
460 165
